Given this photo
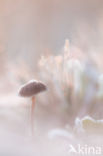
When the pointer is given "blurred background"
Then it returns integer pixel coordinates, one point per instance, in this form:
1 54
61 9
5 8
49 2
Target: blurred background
59 42
29 28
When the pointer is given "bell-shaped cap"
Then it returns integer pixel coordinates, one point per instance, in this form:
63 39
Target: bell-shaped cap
32 88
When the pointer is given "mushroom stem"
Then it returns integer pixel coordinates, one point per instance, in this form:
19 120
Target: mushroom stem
32 114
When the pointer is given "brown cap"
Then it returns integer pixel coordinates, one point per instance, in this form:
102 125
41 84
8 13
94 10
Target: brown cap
31 88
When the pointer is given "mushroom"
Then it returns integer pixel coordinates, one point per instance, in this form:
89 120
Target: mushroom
30 90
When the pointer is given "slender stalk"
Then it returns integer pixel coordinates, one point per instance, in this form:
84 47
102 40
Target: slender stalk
32 114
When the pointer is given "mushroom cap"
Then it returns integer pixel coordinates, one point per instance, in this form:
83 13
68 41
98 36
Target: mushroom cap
31 88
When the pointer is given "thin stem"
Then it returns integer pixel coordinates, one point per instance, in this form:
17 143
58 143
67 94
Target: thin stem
32 114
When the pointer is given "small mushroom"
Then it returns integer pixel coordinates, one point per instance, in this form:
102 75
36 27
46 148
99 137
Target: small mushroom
30 90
